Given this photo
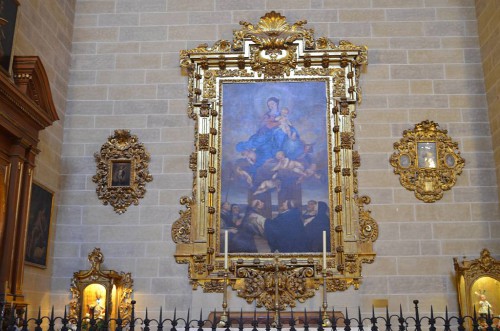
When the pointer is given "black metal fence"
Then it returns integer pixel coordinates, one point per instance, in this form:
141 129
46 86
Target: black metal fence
15 320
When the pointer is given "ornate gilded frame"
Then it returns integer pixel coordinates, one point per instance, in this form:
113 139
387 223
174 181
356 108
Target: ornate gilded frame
476 277
122 171
117 290
274 51
427 161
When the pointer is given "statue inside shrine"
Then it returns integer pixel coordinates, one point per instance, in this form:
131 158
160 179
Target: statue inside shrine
96 306
485 307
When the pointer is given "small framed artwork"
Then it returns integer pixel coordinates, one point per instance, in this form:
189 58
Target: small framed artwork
427 157
121 173
404 161
40 213
8 15
427 161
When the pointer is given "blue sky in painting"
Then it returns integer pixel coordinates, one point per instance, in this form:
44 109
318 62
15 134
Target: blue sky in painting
243 107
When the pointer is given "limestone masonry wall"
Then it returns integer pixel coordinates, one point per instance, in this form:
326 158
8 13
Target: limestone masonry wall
424 63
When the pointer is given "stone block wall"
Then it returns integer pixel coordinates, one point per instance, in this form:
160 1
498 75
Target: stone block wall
45 29
424 63
488 23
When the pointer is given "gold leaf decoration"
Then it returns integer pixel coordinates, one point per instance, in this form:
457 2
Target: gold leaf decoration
427 161
123 155
273 51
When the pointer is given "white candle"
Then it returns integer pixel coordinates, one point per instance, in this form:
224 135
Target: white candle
324 250
225 248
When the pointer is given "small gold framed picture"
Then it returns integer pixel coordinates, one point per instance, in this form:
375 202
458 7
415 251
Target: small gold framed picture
122 171
427 161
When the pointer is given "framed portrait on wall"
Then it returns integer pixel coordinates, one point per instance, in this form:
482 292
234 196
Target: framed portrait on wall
8 17
121 173
40 213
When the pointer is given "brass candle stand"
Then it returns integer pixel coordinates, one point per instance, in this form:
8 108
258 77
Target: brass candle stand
224 317
276 322
325 318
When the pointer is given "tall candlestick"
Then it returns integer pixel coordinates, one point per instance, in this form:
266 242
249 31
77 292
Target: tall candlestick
324 250
225 249
326 319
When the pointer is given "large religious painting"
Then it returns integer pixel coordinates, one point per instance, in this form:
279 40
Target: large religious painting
275 210
275 164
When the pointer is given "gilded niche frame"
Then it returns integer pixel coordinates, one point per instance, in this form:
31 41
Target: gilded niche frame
100 294
478 287
427 161
274 129
122 171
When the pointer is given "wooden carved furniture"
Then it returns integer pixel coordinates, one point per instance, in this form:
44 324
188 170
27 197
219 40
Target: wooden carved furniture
100 294
26 108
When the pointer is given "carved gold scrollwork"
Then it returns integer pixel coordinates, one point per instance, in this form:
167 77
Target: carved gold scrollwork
100 292
427 161
270 284
181 228
213 286
334 285
273 51
273 32
477 281
367 225
122 171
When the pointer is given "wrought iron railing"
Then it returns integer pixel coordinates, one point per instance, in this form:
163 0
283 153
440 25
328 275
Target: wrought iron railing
14 320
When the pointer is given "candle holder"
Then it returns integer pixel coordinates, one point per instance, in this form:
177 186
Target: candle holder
326 319
224 317
276 323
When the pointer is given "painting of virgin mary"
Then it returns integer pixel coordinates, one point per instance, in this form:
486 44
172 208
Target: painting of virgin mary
274 161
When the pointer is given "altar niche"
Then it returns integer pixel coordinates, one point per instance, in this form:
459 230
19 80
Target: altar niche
274 166
100 294
478 288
